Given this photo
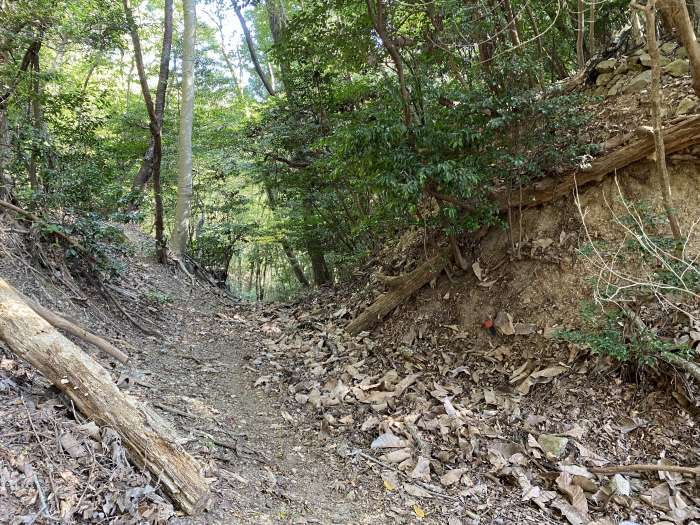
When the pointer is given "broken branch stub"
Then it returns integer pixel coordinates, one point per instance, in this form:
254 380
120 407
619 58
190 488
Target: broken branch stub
151 442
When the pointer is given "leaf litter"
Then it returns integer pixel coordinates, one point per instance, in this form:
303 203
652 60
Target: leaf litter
481 427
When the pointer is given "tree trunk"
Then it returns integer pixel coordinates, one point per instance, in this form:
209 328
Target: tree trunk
512 27
660 152
580 58
151 442
36 119
591 27
155 113
253 53
678 12
320 269
288 250
6 182
184 159
375 8
403 287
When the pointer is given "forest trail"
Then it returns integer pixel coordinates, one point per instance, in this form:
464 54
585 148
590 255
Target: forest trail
202 376
274 474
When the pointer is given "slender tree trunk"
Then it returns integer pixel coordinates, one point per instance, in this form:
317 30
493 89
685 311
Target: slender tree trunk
251 49
512 27
286 246
375 8
184 163
696 15
155 111
580 58
37 121
660 152
677 11
217 20
6 183
591 27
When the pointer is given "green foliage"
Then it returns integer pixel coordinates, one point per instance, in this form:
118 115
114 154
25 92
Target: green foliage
605 333
330 167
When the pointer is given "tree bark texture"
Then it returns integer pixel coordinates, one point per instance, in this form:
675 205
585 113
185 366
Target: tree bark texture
184 158
402 288
151 442
155 113
660 152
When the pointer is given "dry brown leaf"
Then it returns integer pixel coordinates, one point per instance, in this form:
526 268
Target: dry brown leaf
452 476
574 492
388 440
422 470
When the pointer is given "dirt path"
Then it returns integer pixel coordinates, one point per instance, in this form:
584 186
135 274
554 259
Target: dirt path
269 469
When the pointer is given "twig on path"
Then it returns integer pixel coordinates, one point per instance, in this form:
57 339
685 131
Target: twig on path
237 447
424 486
174 410
131 319
693 471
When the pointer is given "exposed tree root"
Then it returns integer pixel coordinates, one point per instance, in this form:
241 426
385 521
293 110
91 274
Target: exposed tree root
78 331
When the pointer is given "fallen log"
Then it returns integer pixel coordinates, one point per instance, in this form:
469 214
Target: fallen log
676 138
403 287
151 442
78 331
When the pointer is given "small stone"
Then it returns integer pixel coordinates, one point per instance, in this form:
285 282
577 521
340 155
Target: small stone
551 444
681 52
603 79
645 59
686 105
668 48
678 67
622 69
617 87
620 485
606 66
638 83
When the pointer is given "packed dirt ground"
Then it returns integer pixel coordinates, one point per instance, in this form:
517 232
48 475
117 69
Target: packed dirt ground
434 417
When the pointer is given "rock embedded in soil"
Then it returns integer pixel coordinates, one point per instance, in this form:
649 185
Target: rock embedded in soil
639 82
551 444
678 67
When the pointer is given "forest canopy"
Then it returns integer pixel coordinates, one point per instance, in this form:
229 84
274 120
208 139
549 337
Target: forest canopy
315 130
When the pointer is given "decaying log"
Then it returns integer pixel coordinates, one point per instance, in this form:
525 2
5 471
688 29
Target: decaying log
78 331
151 442
676 138
405 288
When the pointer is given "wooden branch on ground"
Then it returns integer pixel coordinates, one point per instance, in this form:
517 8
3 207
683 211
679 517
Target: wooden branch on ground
405 288
151 442
78 331
693 471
